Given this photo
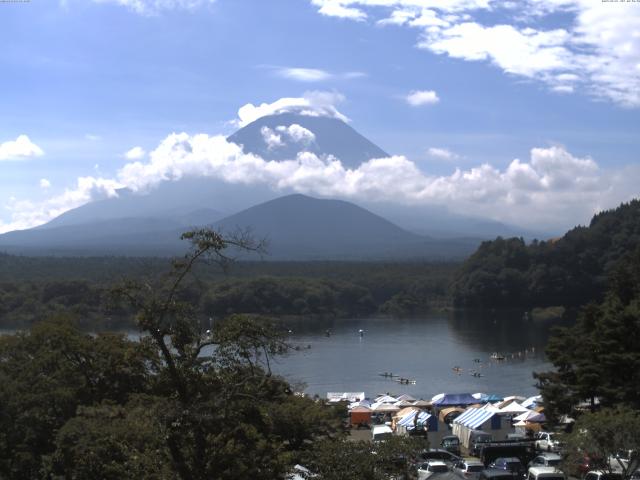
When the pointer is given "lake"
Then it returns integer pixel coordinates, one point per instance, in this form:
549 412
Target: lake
425 349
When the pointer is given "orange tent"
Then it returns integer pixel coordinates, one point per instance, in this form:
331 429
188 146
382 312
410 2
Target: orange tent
360 416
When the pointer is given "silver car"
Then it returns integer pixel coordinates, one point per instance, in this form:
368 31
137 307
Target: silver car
468 469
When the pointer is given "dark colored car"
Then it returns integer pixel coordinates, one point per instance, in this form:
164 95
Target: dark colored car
440 454
509 464
495 474
451 443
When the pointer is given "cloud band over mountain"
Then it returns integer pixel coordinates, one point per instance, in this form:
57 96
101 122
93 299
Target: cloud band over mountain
553 189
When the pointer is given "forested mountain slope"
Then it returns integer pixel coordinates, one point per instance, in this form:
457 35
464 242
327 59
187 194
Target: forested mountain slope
568 271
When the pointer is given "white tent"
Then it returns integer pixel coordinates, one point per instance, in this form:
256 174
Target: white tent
345 396
407 397
386 399
384 407
523 417
514 407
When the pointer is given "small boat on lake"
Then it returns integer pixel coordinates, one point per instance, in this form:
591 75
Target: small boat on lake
388 374
497 356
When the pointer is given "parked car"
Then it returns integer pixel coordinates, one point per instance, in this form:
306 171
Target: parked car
547 441
440 454
548 459
426 469
468 469
635 475
495 474
545 473
451 443
510 464
602 475
381 432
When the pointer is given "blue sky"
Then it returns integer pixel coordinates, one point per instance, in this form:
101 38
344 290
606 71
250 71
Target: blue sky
470 85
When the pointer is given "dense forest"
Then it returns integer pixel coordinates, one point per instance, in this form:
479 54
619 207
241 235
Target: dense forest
36 288
569 271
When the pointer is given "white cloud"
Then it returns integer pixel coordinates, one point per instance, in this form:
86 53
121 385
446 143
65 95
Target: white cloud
27 214
18 149
271 138
297 133
92 137
524 52
314 74
136 153
304 74
594 47
553 189
419 98
151 7
313 103
44 183
337 8
442 154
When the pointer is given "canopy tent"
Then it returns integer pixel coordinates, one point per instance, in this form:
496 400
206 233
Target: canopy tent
416 418
514 407
447 412
539 418
454 399
532 402
525 416
404 412
422 403
403 403
386 399
407 397
473 417
491 398
360 416
384 407
361 403
334 397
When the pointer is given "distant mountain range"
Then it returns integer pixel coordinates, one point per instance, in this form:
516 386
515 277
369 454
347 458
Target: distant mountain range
298 227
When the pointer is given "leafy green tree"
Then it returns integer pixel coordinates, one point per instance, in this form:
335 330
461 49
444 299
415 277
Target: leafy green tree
598 360
338 460
602 435
47 373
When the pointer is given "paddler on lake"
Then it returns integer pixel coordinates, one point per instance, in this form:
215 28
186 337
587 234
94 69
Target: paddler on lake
361 332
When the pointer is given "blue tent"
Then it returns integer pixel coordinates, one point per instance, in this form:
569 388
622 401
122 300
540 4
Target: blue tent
455 399
491 398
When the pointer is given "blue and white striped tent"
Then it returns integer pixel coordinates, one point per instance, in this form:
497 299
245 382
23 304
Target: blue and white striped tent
408 420
486 419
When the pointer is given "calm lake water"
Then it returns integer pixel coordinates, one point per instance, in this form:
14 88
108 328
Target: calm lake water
424 349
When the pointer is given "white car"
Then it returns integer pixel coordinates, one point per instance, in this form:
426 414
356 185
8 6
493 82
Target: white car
546 460
427 469
468 469
547 441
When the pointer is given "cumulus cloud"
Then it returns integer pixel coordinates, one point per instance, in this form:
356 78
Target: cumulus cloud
27 214
552 189
442 154
136 153
44 183
297 133
419 98
271 138
593 48
19 149
313 103
151 7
